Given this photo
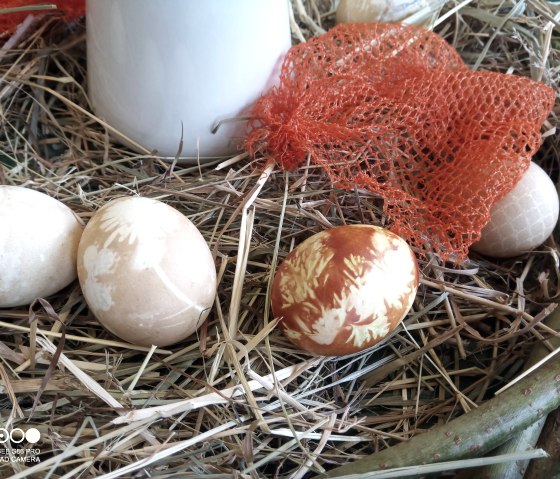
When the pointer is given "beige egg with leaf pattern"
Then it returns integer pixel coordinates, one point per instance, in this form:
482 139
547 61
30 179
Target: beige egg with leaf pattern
344 289
146 272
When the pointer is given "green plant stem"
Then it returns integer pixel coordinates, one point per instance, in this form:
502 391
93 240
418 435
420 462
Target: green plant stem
28 8
550 439
475 433
526 439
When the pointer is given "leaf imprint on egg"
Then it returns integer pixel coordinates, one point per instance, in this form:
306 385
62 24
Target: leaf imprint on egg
173 289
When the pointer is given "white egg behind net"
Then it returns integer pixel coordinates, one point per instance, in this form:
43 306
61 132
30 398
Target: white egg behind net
523 219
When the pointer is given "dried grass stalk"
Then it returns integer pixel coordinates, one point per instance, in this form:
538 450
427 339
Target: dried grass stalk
238 399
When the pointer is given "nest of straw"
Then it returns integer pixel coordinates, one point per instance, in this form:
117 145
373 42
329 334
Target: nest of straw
241 401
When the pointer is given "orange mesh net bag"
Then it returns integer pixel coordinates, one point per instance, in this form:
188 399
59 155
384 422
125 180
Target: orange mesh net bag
394 110
9 21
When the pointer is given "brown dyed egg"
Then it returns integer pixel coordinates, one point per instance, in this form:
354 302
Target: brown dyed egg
146 272
344 289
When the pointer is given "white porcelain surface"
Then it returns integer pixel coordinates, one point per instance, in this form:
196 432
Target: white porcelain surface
157 67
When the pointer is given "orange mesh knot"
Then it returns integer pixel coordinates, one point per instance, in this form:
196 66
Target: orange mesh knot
393 109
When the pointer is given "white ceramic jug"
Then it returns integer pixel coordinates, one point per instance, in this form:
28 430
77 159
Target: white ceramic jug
166 69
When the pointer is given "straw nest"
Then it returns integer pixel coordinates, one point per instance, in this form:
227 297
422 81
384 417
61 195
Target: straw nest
237 400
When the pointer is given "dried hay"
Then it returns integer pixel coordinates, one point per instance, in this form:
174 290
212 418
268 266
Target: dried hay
238 400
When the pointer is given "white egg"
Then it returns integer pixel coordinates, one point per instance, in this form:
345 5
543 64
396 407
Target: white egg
39 239
382 11
146 272
523 219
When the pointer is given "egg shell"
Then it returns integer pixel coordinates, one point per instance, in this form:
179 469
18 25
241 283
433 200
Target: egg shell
367 11
39 238
345 289
523 219
146 272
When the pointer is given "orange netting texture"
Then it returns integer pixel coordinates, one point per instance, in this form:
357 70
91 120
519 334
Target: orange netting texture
9 21
394 110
